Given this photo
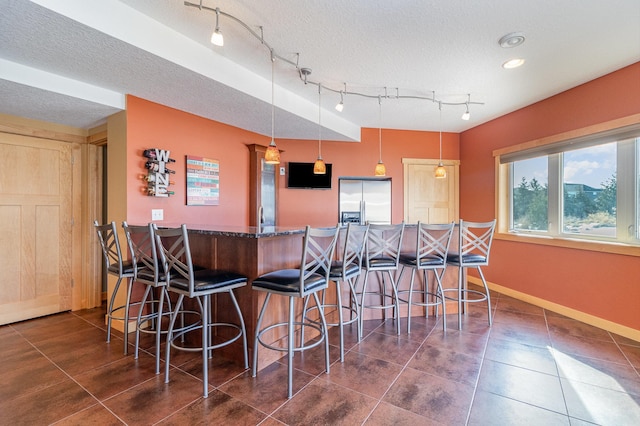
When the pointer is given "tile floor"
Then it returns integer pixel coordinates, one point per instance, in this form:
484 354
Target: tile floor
531 367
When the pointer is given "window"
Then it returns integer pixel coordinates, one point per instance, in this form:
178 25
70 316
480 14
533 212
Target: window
584 188
589 190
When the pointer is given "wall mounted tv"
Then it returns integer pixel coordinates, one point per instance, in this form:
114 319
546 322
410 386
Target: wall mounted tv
301 176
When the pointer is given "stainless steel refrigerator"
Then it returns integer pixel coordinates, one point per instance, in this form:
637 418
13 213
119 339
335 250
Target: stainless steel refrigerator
365 200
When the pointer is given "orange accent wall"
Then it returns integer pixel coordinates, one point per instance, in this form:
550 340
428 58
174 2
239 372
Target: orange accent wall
320 207
150 125
600 284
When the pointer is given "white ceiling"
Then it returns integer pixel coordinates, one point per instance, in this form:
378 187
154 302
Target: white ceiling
72 61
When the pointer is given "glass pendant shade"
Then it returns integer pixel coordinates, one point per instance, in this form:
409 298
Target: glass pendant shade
319 168
441 171
381 170
272 154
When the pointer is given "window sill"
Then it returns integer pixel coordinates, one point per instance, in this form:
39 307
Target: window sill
572 243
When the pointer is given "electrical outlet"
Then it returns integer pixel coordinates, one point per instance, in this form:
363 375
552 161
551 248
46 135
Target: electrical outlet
157 214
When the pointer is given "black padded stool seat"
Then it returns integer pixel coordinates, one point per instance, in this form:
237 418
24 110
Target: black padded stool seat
286 281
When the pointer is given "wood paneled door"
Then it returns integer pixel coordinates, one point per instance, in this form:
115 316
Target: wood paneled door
36 205
426 198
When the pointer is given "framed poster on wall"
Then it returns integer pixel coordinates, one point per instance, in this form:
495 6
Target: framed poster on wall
203 181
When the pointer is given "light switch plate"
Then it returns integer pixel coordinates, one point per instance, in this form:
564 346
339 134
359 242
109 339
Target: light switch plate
281 171
157 214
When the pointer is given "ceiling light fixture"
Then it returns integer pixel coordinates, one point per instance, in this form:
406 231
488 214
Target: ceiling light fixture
319 168
340 105
272 154
511 40
513 63
216 37
441 171
380 170
466 116
372 93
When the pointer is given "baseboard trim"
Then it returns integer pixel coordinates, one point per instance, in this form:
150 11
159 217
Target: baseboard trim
604 324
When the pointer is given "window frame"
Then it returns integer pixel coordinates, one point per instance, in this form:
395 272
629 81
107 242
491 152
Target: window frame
626 242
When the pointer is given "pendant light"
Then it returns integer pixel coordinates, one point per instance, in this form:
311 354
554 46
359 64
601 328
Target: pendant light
441 172
380 170
319 168
272 154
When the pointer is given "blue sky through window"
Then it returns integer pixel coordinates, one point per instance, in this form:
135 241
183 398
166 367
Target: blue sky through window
591 166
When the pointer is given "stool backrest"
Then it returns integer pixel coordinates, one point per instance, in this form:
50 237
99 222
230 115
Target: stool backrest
355 239
383 246
175 255
318 249
144 256
475 240
111 252
433 243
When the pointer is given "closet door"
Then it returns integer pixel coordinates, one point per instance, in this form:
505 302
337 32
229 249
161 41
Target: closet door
35 227
426 198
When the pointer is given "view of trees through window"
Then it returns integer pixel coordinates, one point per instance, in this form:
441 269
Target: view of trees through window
588 192
530 195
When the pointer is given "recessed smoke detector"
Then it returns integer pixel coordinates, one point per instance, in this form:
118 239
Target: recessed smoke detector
511 40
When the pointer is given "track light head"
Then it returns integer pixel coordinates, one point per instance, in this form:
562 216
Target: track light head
466 116
216 37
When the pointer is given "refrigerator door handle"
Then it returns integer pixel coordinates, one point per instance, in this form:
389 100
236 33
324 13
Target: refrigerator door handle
363 212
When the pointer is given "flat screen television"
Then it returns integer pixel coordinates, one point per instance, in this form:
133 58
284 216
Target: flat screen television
301 176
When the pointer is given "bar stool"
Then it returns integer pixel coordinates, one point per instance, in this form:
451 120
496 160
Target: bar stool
432 246
142 248
311 277
115 265
382 256
347 269
183 278
474 246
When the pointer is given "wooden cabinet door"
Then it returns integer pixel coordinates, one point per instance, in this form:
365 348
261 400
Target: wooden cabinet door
426 198
35 227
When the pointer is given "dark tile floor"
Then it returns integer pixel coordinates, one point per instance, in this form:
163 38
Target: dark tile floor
531 367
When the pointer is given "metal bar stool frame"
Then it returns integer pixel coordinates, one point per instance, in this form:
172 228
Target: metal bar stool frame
474 247
187 280
309 279
147 270
116 265
346 269
432 247
383 246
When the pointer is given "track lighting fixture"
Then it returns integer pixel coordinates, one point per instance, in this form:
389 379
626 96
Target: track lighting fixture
340 105
319 168
441 171
466 116
216 37
510 40
272 154
380 169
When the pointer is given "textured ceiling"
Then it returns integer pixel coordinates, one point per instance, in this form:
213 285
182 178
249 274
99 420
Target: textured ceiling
72 61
